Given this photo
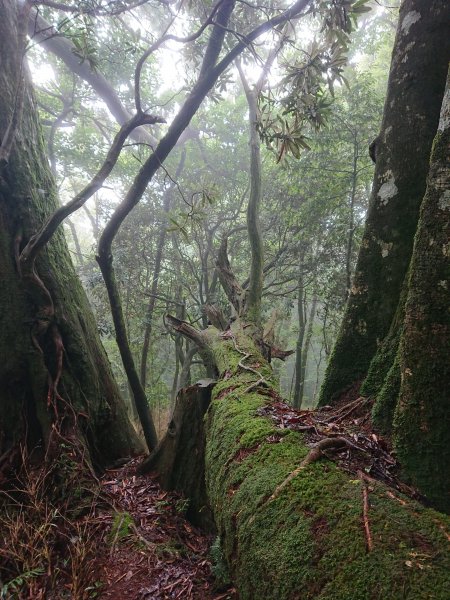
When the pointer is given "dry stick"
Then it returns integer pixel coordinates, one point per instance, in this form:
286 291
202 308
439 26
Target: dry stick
366 512
359 402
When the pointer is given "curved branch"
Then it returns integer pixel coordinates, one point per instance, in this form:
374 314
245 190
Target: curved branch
38 241
96 12
165 38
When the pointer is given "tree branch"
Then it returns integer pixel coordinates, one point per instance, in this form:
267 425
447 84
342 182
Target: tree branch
38 241
49 38
187 330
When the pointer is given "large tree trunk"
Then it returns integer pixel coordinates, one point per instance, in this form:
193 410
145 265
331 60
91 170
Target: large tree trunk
44 324
421 432
298 529
411 114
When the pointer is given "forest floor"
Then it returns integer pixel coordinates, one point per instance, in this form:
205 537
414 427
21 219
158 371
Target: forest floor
150 550
132 540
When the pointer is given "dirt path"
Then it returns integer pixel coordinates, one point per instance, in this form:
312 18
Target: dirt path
146 549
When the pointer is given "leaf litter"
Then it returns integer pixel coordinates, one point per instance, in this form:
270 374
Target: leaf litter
157 554
362 451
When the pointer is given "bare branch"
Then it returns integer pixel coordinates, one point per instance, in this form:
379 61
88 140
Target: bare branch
187 330
235 294
38 241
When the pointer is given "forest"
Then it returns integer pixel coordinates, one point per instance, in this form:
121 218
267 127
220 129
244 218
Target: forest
224 299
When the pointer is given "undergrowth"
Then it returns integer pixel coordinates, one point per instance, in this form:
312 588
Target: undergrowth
44 552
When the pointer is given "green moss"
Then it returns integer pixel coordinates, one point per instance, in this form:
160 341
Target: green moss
309 542
386 400
219 565
421 433
122 526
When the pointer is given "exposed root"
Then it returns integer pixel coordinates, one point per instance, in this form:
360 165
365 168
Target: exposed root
246 355
314 454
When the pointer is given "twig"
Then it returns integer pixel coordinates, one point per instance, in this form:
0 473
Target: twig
354 405
366 512
314 454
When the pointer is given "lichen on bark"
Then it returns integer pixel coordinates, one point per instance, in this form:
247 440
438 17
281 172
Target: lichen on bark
415 89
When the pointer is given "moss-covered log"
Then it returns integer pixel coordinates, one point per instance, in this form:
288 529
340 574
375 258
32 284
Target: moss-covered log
307 540
421 423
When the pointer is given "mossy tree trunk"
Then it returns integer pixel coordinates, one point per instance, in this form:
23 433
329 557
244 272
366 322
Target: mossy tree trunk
421 431
411 114
34 340
297 532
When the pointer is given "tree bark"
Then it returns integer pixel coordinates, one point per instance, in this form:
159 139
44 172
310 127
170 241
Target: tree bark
296 401
421 432
254 291
411 113
179 457
37 350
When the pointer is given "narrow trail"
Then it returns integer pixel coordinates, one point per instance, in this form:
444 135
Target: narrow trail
146 549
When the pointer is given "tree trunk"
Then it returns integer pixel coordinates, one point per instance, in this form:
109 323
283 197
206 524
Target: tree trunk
33 344
156 273
351 220
421 432
411 113
296 401
179 457
306 346
291 529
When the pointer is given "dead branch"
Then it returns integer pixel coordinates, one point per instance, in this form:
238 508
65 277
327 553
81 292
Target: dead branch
341 415
366 513
187 330
235 294
215 316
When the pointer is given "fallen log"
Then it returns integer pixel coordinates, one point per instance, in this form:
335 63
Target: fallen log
292 524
